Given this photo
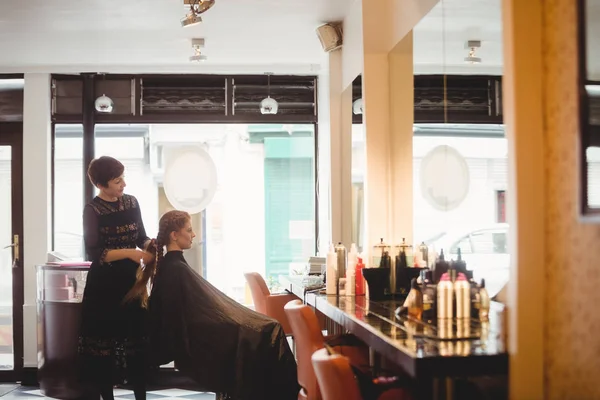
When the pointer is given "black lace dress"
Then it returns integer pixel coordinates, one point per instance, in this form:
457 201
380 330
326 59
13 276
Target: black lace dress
112 342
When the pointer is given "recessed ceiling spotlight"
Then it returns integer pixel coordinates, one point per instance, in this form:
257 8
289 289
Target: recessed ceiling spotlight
472 45
197 7
198 44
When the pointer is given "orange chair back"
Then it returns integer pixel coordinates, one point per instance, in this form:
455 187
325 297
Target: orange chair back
335 377
308 338
259 290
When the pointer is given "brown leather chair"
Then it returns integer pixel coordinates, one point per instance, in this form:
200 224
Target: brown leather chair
308 338
336 379
267 303
335 376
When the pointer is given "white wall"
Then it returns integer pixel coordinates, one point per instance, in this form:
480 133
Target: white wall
36 199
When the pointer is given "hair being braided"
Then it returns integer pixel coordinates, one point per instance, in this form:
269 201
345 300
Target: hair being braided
171 221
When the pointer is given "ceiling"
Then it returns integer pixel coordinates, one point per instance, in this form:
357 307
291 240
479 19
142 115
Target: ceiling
137 35
242 36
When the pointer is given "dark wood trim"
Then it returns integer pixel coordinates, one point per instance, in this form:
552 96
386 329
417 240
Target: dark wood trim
190 119
137 111
229 97
426 117
225 83
88 134
425 88
174 118
11 133
12 76
435 117
67 119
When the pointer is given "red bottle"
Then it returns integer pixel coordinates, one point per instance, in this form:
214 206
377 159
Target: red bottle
359 280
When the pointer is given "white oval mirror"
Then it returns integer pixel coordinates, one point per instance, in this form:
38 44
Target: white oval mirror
190 179
444 178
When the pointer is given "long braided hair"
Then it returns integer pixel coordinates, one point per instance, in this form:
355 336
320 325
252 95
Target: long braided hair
171 221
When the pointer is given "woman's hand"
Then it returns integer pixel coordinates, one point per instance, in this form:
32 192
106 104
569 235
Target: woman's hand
150 245
148 258
141 256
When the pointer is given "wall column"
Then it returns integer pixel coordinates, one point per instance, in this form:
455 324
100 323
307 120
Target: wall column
523 117
335 157
37 200
401 139
376 124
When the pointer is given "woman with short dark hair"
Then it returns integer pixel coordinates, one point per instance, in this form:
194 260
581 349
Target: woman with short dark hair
113 333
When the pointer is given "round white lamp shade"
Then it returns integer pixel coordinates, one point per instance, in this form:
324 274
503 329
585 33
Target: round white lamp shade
104 104
269 106
190 180
444 178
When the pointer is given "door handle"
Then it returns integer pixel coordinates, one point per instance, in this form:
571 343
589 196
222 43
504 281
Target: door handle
15 247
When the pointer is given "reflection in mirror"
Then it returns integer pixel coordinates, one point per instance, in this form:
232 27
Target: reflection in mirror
590 106
358 166
460 153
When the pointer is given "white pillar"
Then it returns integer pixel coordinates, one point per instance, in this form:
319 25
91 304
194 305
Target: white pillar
37 200
335 157
324 160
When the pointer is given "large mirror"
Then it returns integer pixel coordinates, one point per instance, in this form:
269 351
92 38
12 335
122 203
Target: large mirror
589 76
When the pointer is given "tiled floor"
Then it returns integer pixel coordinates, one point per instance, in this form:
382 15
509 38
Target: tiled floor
23 393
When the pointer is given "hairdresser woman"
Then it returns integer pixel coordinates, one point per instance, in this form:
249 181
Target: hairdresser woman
113 335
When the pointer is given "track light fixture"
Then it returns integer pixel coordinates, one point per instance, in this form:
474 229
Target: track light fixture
197 7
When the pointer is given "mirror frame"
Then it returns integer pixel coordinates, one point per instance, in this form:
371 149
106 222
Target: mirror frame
587 213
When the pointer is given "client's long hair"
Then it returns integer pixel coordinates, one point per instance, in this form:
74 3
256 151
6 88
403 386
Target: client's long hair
171 221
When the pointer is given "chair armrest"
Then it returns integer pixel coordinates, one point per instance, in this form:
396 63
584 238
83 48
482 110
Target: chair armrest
275 304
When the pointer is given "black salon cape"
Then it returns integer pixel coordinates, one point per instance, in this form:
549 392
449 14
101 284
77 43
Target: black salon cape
224 346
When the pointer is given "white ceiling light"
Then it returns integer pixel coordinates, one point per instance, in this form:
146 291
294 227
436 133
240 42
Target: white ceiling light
357 106
198 44
269 105
197 7
472 45
104 104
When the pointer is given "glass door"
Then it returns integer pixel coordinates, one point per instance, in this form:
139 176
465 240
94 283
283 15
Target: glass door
11 252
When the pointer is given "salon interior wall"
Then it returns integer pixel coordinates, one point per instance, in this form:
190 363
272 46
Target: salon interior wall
552 295
572 270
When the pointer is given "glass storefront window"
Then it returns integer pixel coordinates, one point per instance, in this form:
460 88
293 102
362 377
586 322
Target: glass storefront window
262 217
68 190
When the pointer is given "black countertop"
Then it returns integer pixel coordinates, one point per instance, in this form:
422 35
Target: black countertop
442 349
